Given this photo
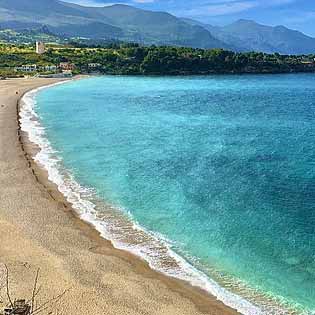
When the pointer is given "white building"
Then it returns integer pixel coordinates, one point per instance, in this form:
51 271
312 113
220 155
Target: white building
50 68
94 65
27 68
40 48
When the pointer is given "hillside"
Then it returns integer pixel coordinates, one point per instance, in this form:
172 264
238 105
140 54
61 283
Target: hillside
127 23
114 22
247 35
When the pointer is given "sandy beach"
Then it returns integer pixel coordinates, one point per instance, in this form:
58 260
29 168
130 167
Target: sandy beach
40 230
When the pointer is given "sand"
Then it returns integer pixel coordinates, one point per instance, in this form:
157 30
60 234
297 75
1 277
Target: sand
38 229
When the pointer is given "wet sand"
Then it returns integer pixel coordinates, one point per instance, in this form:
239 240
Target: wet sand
39 229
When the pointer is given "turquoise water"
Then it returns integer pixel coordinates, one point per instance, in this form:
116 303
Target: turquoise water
222 166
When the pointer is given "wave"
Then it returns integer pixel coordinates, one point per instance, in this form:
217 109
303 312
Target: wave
124 232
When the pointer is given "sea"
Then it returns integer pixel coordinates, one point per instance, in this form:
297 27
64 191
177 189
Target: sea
210 179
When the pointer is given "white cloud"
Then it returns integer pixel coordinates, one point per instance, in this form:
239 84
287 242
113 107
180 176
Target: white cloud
220 8
87 3
143 1
95 3
230 8
213 8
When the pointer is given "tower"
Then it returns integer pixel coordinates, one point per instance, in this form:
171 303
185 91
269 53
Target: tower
40 48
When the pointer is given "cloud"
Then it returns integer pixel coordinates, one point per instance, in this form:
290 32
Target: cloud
300 18
229 8
90 3
97 3
219 8
143 1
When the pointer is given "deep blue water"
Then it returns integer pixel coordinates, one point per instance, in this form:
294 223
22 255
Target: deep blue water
224 166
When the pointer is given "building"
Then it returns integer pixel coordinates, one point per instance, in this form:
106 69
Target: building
26 68
50 68
40 48
94 65
67 66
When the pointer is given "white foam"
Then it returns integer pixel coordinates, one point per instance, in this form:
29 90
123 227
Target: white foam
152 248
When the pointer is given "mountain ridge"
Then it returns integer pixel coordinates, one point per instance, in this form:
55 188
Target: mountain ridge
119 22
248 35
127 23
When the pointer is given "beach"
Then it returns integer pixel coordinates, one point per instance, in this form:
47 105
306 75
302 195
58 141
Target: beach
39 229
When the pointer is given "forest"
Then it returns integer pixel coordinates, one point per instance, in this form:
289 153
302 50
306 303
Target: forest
133 59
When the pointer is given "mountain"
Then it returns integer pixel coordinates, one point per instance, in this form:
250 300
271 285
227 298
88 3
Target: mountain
126 23
216 32
247 35
120 22
161 27
269 39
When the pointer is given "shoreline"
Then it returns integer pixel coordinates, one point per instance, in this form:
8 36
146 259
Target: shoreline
186 299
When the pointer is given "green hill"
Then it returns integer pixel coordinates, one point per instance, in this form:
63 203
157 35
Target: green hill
126 23
117 22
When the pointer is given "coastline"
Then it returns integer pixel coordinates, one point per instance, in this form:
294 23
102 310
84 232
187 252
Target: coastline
70 252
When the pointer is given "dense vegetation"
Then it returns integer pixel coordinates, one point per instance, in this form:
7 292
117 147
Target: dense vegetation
135 59
29 36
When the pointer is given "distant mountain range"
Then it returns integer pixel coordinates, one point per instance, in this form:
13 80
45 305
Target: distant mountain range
126 23
247 35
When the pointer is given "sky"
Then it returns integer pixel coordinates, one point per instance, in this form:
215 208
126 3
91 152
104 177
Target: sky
295 14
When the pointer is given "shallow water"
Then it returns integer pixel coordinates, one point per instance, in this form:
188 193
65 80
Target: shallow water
222 167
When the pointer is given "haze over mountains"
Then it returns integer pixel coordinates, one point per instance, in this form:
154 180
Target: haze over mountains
127 23
248 35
